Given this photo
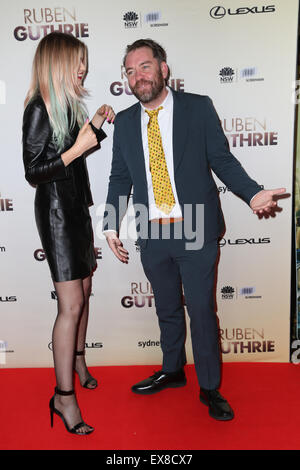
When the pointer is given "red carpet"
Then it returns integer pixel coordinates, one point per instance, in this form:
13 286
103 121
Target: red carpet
265 398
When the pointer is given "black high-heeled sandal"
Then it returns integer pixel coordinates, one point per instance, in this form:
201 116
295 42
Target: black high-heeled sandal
74 429
90 380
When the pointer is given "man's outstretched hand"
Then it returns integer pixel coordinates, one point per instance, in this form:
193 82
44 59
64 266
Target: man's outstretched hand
264 200
116 246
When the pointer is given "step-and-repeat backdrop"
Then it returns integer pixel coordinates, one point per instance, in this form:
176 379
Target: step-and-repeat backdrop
243 55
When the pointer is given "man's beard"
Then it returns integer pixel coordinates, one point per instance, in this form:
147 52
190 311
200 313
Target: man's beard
145 96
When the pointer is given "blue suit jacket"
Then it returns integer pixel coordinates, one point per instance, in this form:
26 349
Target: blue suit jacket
199 146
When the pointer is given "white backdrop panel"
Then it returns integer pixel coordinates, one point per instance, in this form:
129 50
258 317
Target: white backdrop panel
244 59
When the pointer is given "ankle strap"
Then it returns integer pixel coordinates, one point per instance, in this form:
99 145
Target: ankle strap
80 353
62 392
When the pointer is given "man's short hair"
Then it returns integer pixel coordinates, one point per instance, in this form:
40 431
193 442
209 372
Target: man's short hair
158 51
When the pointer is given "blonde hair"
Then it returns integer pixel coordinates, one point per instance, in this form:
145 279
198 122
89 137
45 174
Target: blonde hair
54 77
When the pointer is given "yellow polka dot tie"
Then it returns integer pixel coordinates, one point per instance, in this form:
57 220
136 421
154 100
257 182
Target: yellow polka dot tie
162 189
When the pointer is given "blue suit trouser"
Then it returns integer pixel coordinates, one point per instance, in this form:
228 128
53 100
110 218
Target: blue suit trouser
169 267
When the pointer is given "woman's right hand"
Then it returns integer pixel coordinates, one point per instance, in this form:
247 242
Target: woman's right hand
86 138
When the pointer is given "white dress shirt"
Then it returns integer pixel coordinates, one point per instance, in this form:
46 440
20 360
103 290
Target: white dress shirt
165 121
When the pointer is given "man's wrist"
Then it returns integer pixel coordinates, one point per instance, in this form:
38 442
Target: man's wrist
255 196
110 233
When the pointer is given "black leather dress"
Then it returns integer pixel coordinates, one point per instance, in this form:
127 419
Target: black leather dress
62 196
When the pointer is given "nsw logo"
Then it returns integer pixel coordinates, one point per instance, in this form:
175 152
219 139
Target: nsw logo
227 292
226 74
131 19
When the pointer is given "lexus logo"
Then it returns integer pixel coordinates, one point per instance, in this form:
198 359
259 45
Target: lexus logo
245 241
217 12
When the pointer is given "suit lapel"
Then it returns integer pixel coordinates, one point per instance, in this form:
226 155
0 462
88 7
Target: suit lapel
180 127
138 150
135 118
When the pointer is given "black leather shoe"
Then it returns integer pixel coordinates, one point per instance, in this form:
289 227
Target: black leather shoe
219 408
159 381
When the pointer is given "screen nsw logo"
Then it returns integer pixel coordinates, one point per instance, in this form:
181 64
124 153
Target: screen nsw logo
38 22
247 74
234 293
133 19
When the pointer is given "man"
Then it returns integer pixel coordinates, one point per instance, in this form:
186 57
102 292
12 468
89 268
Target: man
165 147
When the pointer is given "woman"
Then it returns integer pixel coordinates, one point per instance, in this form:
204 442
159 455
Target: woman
56 135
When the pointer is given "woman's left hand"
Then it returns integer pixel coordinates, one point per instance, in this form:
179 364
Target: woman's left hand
106 112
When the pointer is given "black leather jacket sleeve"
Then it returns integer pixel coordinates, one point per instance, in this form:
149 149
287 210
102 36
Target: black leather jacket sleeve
40 167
